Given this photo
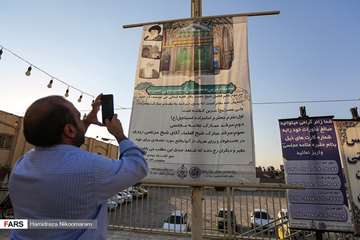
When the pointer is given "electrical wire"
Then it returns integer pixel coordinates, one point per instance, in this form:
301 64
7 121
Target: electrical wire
129 108
308 101
45 72
268 103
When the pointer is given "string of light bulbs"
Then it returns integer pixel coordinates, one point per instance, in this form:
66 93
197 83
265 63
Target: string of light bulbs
82 93
52 77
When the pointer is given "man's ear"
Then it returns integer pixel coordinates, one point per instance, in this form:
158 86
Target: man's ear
69 131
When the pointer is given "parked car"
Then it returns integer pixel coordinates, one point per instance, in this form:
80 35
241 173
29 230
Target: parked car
260 218
127 196
142 190
135 193
176 222
111 205
118 199
222 220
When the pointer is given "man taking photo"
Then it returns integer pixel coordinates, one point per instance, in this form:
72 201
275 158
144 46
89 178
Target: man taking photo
58 180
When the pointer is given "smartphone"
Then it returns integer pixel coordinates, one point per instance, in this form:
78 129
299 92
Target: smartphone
107 107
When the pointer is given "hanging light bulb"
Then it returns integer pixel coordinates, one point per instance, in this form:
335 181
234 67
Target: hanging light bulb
28 72
80 98
1 52
67 92
50 83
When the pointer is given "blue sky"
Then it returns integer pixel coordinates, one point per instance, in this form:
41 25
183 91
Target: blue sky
310 51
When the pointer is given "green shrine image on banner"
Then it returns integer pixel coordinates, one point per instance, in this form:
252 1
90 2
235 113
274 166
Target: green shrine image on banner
203 47
186 49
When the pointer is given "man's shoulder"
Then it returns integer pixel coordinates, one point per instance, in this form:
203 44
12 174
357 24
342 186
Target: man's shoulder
68 153
93 157
86 155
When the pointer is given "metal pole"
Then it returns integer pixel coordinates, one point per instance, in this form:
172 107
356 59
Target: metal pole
197 214
354 113
302 111
319 235
228 226
196 198
196 9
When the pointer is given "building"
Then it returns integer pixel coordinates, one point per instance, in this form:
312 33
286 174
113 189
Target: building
13 144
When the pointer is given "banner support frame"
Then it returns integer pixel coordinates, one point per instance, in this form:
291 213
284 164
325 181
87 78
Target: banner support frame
249 14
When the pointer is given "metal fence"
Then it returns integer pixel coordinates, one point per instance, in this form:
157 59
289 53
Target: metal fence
157 211
153 212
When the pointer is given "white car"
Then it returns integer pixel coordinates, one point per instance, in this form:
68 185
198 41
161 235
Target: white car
260 217
118 199
135 193
126 195
176 222
222 220
111 205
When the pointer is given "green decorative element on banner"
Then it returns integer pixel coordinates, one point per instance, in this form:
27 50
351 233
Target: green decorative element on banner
191 87
143 85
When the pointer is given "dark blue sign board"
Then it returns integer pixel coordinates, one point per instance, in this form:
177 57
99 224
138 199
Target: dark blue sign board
311 158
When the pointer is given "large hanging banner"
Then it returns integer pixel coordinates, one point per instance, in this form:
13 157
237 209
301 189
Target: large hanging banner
348 133
311 158
191 108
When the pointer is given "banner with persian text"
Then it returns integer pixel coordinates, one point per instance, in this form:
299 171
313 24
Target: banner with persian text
348 133
311 158
191 109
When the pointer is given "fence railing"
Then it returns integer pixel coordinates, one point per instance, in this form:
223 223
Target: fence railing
169 209
252 211
257 211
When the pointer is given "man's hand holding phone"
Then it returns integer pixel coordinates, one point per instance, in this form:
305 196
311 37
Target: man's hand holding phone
92 118
115 128
110 119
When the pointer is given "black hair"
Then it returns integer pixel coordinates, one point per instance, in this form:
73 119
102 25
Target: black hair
155 27
45 119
